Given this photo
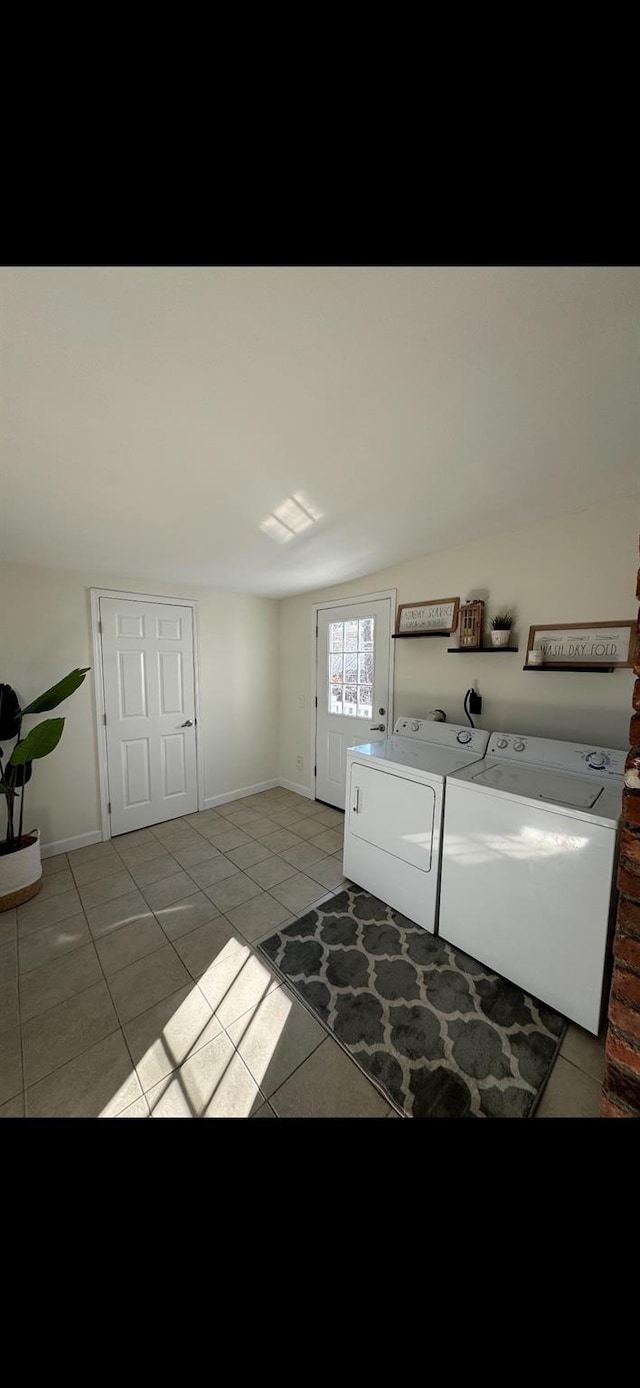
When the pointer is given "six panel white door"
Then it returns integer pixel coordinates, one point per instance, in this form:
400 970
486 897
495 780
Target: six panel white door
148 671
353 688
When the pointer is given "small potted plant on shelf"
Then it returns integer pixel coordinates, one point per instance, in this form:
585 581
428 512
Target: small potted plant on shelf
20 866
500 628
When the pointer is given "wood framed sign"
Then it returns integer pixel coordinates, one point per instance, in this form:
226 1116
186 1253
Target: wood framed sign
583 645
439 617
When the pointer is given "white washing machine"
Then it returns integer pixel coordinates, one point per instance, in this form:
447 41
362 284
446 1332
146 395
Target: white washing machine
528 863
393 820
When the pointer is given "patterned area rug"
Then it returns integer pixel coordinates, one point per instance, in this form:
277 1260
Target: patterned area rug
439 1033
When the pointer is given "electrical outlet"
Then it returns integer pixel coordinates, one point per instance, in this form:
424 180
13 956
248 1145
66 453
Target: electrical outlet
299 763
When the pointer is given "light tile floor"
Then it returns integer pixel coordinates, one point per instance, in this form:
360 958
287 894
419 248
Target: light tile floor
131 986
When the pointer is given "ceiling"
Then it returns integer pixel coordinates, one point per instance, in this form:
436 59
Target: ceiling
157 420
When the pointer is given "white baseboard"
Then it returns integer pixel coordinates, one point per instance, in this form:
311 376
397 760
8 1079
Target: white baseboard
298 790
49 850
213 800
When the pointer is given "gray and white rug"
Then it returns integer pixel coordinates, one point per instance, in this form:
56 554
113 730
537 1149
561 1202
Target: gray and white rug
442 1035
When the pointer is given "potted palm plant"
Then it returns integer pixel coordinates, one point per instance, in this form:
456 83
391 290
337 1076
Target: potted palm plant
20 866
500 629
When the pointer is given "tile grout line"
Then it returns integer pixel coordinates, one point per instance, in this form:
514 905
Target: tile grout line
192 1050
71 1059
266 1097
94 940
320 1043
145 1092
119 1025
225 1029
49 1009
176 1070
283 981
329 1034
577 1067
82 990
251 1010
252 945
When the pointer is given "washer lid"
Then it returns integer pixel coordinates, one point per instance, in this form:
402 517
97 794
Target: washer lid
553 786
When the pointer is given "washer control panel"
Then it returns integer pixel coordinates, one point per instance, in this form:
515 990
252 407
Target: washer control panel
565 756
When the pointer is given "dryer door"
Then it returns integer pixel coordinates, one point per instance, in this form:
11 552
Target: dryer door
393 813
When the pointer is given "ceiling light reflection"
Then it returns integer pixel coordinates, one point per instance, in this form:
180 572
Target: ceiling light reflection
290 518
276 531
301 499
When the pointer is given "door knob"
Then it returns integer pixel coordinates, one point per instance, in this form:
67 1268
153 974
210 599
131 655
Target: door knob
377 728
188 724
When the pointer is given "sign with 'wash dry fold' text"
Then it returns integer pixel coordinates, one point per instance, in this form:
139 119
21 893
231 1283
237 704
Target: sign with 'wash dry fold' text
604 643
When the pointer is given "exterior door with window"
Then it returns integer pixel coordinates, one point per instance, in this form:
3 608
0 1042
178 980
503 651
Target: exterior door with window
149 695
353 687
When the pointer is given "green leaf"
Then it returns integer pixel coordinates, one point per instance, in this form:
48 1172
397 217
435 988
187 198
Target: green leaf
17 775
6 790
9 713
38 743
58 693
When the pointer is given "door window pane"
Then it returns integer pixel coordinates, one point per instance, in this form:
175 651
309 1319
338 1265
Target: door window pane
350 700
365 701
335 698
365 668
351 647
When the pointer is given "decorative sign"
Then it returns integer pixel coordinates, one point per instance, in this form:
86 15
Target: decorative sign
593 643
439 617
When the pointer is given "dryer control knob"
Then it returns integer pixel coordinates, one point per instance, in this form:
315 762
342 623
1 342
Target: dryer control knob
464 737
415 726
502 742
518 746
596 759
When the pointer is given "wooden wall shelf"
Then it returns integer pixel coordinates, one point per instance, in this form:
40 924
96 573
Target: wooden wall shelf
411 635
575 669
482 650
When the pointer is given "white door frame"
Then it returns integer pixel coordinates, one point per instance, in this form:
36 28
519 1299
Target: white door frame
346 602
103 762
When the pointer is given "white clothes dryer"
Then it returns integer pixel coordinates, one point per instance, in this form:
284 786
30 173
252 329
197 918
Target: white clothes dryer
529 856
393 820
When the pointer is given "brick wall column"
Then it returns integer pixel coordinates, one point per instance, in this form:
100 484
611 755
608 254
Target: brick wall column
621 1084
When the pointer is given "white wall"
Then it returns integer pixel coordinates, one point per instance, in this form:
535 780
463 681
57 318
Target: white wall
45 631
579 567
